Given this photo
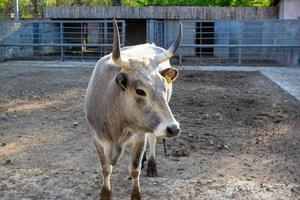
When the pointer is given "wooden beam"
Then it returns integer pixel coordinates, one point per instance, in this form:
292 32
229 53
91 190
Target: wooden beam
162 12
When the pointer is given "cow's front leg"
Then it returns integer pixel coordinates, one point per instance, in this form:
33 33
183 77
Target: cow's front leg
138 149
151 165
106 169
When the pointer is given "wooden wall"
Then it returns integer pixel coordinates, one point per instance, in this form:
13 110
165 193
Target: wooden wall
163 12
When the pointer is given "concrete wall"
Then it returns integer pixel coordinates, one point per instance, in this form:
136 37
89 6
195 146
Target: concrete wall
26 33
222 37
289 9
14 33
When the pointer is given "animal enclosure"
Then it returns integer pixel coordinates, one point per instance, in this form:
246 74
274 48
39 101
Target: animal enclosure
240 139
205 42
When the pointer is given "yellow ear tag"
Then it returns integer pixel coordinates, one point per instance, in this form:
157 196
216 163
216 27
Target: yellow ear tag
168 78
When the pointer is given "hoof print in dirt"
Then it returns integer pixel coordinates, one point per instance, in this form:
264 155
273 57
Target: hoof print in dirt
181 153
7 162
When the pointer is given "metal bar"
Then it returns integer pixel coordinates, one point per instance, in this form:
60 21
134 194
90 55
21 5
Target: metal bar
240 42
123 34
59 45
81 41
56 21
61 42
242 45
106 32
182 45
121 20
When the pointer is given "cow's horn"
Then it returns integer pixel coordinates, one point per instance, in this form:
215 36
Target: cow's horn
116 53
171 51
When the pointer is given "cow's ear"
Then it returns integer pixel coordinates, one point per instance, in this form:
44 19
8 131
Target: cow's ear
170 74
122 81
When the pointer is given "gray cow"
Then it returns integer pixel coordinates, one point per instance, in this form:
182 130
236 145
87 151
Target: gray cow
127 102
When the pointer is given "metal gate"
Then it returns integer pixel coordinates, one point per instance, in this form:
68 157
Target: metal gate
240 42
57 40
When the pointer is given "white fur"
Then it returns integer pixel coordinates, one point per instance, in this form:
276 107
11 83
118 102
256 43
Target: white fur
106 180
152 142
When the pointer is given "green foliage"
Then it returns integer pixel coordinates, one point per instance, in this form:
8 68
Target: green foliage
198 2
27 6
5 7
250 2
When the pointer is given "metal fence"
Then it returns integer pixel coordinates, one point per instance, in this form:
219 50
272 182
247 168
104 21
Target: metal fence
53 40
268 42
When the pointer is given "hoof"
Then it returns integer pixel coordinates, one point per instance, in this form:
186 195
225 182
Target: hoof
105 194
151 168
136 194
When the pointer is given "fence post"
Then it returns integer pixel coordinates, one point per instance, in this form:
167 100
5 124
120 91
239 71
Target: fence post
106 32
123 33
180 56
61 42
81 41
240 42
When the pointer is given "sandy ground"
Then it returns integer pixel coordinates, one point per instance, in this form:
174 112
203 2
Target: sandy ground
240 139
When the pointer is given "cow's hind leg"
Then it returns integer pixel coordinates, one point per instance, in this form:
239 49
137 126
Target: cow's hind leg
138 149
144 160
151 165
106 169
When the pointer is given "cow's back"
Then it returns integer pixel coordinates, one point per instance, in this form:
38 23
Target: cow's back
100 90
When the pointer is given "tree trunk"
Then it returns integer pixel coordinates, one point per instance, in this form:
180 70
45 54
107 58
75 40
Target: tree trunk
116 2
35 9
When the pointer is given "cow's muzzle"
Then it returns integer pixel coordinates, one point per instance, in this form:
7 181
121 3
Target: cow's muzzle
167 129
173 130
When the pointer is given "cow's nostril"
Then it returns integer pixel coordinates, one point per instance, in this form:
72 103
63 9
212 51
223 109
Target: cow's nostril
172 130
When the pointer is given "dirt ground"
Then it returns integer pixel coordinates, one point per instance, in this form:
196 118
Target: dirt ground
240 139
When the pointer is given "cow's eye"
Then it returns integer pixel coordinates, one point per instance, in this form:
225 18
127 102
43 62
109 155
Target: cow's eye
140 92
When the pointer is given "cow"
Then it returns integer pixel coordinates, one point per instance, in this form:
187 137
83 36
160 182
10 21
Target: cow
127 102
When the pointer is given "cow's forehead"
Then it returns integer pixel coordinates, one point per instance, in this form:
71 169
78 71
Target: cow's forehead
144 54
148 65
140 51
151 79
